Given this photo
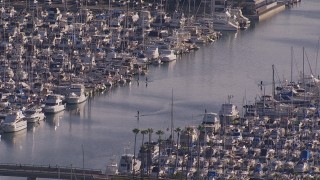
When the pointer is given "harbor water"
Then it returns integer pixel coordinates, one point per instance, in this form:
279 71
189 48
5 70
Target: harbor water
89 134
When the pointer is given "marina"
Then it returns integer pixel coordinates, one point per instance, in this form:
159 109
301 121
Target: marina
108 117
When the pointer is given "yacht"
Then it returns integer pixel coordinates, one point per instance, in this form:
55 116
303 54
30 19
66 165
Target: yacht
54 103
167 55
77 94
228 112
152 52
224 22
243 21
34 114
301 167
14 121
112 168
211 121
4 102
128 165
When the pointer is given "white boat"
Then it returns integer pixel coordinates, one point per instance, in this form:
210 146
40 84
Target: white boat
152 52
243 21
76 94
34 114
53 104
224 22
167 55
228 112
128 165
13 122
4 101
211 121
301 167
112 167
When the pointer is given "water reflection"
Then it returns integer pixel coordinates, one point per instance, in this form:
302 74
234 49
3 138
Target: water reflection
54 119
77 109
33 126
15 139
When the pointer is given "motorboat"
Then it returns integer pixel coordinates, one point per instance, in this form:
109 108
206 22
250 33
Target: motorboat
4 102
224 22
54 103
167 55
34 114
211 121
112 168
129 165
243 21
152 52
76 94
228 112
14 121
301 167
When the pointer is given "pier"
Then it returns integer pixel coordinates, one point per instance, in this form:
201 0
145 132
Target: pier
33 172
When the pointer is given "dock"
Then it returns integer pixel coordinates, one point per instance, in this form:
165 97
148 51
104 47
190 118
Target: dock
33 172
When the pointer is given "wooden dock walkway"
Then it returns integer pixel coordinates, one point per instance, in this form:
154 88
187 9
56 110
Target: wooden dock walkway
33 172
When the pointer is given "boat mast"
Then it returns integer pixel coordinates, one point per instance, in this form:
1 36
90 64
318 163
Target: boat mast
172 125
273 83
303 81
291 64
315 72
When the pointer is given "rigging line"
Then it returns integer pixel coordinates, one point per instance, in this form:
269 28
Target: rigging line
277 75
308 62
296 63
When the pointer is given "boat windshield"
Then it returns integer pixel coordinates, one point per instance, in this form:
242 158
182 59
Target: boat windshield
51 104
10 118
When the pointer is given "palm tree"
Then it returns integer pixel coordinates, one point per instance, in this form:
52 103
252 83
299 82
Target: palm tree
159 133
189 131
143 132
150 131
135 131
143 151
201 129
178 131
149 159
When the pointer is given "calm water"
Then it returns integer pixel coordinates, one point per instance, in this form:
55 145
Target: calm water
234 65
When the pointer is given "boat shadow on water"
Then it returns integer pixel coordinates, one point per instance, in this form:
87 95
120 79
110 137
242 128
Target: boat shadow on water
76 109
54 119
14 138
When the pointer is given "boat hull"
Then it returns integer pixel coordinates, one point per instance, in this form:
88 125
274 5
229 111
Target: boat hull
7 128
35 118
54 109
76 100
